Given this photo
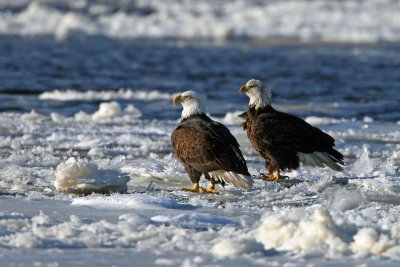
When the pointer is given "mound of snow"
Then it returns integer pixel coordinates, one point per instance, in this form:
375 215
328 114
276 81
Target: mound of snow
110 111
33 117
231 118
107 111
314 120
295 232
82 177
364 165
346 199
233 247
318 233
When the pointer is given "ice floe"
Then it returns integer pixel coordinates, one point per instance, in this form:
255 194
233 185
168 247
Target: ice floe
349 215
82 177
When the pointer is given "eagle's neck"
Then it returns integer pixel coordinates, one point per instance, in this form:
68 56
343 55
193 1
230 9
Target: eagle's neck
260 98
192 108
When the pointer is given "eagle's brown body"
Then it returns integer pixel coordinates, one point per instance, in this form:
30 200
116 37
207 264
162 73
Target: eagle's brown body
204 146
281 139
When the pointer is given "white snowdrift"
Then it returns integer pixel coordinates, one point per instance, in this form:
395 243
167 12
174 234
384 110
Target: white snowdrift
81 177
319 233
107 111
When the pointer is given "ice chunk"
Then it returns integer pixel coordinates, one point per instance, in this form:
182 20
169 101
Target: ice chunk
295 232
368 240
231 118
364 165
107 111
33 116
347 200
235 247
313 120
82 177
133 111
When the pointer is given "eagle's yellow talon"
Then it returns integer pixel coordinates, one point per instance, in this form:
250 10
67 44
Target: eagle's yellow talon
196 189
212 191
273 177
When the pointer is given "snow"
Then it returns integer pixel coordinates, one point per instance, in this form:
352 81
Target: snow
231 118
319 233
231 248
332 21
48 159
314 120
107 111
82 177
308 234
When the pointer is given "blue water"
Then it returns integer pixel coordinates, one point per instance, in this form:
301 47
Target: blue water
346 81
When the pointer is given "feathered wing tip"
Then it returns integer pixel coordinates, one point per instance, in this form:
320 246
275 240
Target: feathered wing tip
332 160
230 177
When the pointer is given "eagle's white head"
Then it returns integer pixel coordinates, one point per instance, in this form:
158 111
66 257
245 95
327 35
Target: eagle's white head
192 103
259 94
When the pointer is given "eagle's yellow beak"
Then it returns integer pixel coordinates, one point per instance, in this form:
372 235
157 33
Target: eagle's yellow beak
243 89
177 99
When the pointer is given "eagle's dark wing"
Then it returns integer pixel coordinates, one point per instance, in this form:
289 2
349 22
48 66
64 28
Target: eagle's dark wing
225 136
207 146
286 131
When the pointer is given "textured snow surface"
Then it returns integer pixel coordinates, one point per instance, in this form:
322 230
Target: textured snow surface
319 233
316 215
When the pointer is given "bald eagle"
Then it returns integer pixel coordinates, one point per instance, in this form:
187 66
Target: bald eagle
284 140
207 147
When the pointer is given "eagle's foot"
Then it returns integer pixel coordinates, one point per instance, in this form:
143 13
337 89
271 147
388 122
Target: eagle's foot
211 190
269 177
273 177
196 189
193 190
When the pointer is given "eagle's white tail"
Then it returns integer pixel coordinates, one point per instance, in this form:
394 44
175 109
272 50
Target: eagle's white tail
320 159
229 177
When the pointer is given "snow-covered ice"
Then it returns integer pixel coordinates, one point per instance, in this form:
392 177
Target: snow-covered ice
350 216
